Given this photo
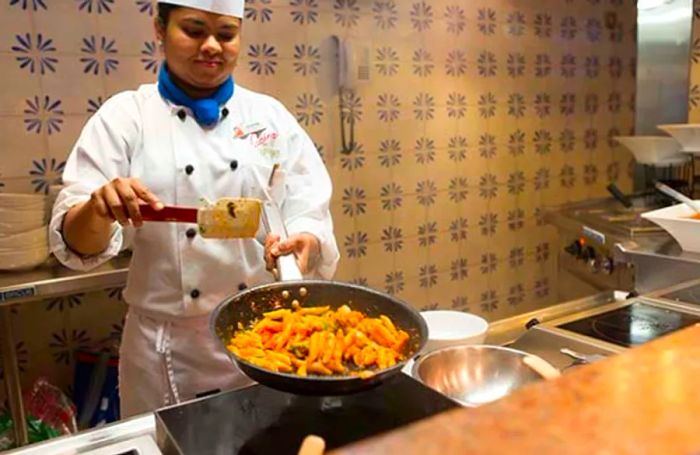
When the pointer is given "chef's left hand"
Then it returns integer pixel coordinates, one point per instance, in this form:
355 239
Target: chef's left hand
304 246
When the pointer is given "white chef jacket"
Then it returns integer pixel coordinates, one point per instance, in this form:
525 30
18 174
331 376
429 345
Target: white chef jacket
176 280
139 134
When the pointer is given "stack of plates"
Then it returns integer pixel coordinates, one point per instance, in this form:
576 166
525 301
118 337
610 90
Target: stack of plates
23 231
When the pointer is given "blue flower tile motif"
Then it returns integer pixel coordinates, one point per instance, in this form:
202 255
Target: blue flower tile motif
459 269
456 105
486 63
427 276
354 201
426 192
22 356
391 196
390 153
516 105
40 113
307 59
614 102
460 303
613 171
62 304
455 19
456 63
592 67
258 10
429 307
542 252
516 219
346 12
146 7
99 55
356 244
617 32
360 281
458 189
424 150
150 57
515 65
387 61
458 229
263 59
488 263
516 257
392 237
516 295
541 288
487 145
388 107
615 67
488 224
543 25
540 216
35 53
116 294
427 233
567 176
516 182
543 105
457 148
34 5
542 179
421 16
542 141
516 143
489 301
424 106
64 343
594 30
591 103
567 140
394 282
590 139
567 104
488 186
94 104
568 66
45 173
422 63
385 14
487 105
355 160
352 107
515 24
613 133
309 109
304 12
486 20
543 65
97 6
568 28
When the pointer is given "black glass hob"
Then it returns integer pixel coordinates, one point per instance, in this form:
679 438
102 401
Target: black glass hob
260 420
632 325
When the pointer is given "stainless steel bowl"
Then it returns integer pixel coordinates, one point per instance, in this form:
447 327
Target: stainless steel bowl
474 374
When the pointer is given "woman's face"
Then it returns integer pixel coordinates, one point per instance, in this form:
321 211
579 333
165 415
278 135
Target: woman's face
201 48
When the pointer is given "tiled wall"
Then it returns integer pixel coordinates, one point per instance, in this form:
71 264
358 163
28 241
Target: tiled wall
477 115
694 94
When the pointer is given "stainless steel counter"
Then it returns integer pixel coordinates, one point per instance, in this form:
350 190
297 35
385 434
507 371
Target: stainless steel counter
48 281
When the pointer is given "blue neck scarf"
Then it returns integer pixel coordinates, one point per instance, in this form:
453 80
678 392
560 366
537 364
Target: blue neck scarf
205 110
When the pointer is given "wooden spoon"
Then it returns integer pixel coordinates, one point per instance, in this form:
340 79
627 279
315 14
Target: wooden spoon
541 367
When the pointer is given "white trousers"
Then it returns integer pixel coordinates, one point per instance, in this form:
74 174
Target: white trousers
164 362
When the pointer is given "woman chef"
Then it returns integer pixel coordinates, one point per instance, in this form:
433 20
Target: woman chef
193 135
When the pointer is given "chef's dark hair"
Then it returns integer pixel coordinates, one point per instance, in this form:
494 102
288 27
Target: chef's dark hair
164 10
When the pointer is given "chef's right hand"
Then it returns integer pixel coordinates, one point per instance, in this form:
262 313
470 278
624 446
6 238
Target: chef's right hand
119 200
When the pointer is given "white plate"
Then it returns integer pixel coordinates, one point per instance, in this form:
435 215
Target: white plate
677 222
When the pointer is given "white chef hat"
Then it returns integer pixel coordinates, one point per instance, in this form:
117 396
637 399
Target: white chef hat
227 7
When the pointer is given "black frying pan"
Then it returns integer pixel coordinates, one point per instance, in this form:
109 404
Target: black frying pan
252 303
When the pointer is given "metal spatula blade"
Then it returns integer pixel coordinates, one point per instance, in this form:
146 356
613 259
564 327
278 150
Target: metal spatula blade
227 218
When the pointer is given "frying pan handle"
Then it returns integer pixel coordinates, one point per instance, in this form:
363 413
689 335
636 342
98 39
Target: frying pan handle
287 268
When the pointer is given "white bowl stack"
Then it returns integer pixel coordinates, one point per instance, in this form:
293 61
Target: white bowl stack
23 231
658 151
678 221
687 135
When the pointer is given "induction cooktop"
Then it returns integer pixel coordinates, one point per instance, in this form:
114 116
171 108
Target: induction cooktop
258 420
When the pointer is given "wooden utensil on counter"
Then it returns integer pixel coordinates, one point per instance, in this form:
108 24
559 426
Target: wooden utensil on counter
227 218
312 445
541 367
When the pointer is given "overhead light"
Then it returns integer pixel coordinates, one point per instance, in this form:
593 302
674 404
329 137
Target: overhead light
651 4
